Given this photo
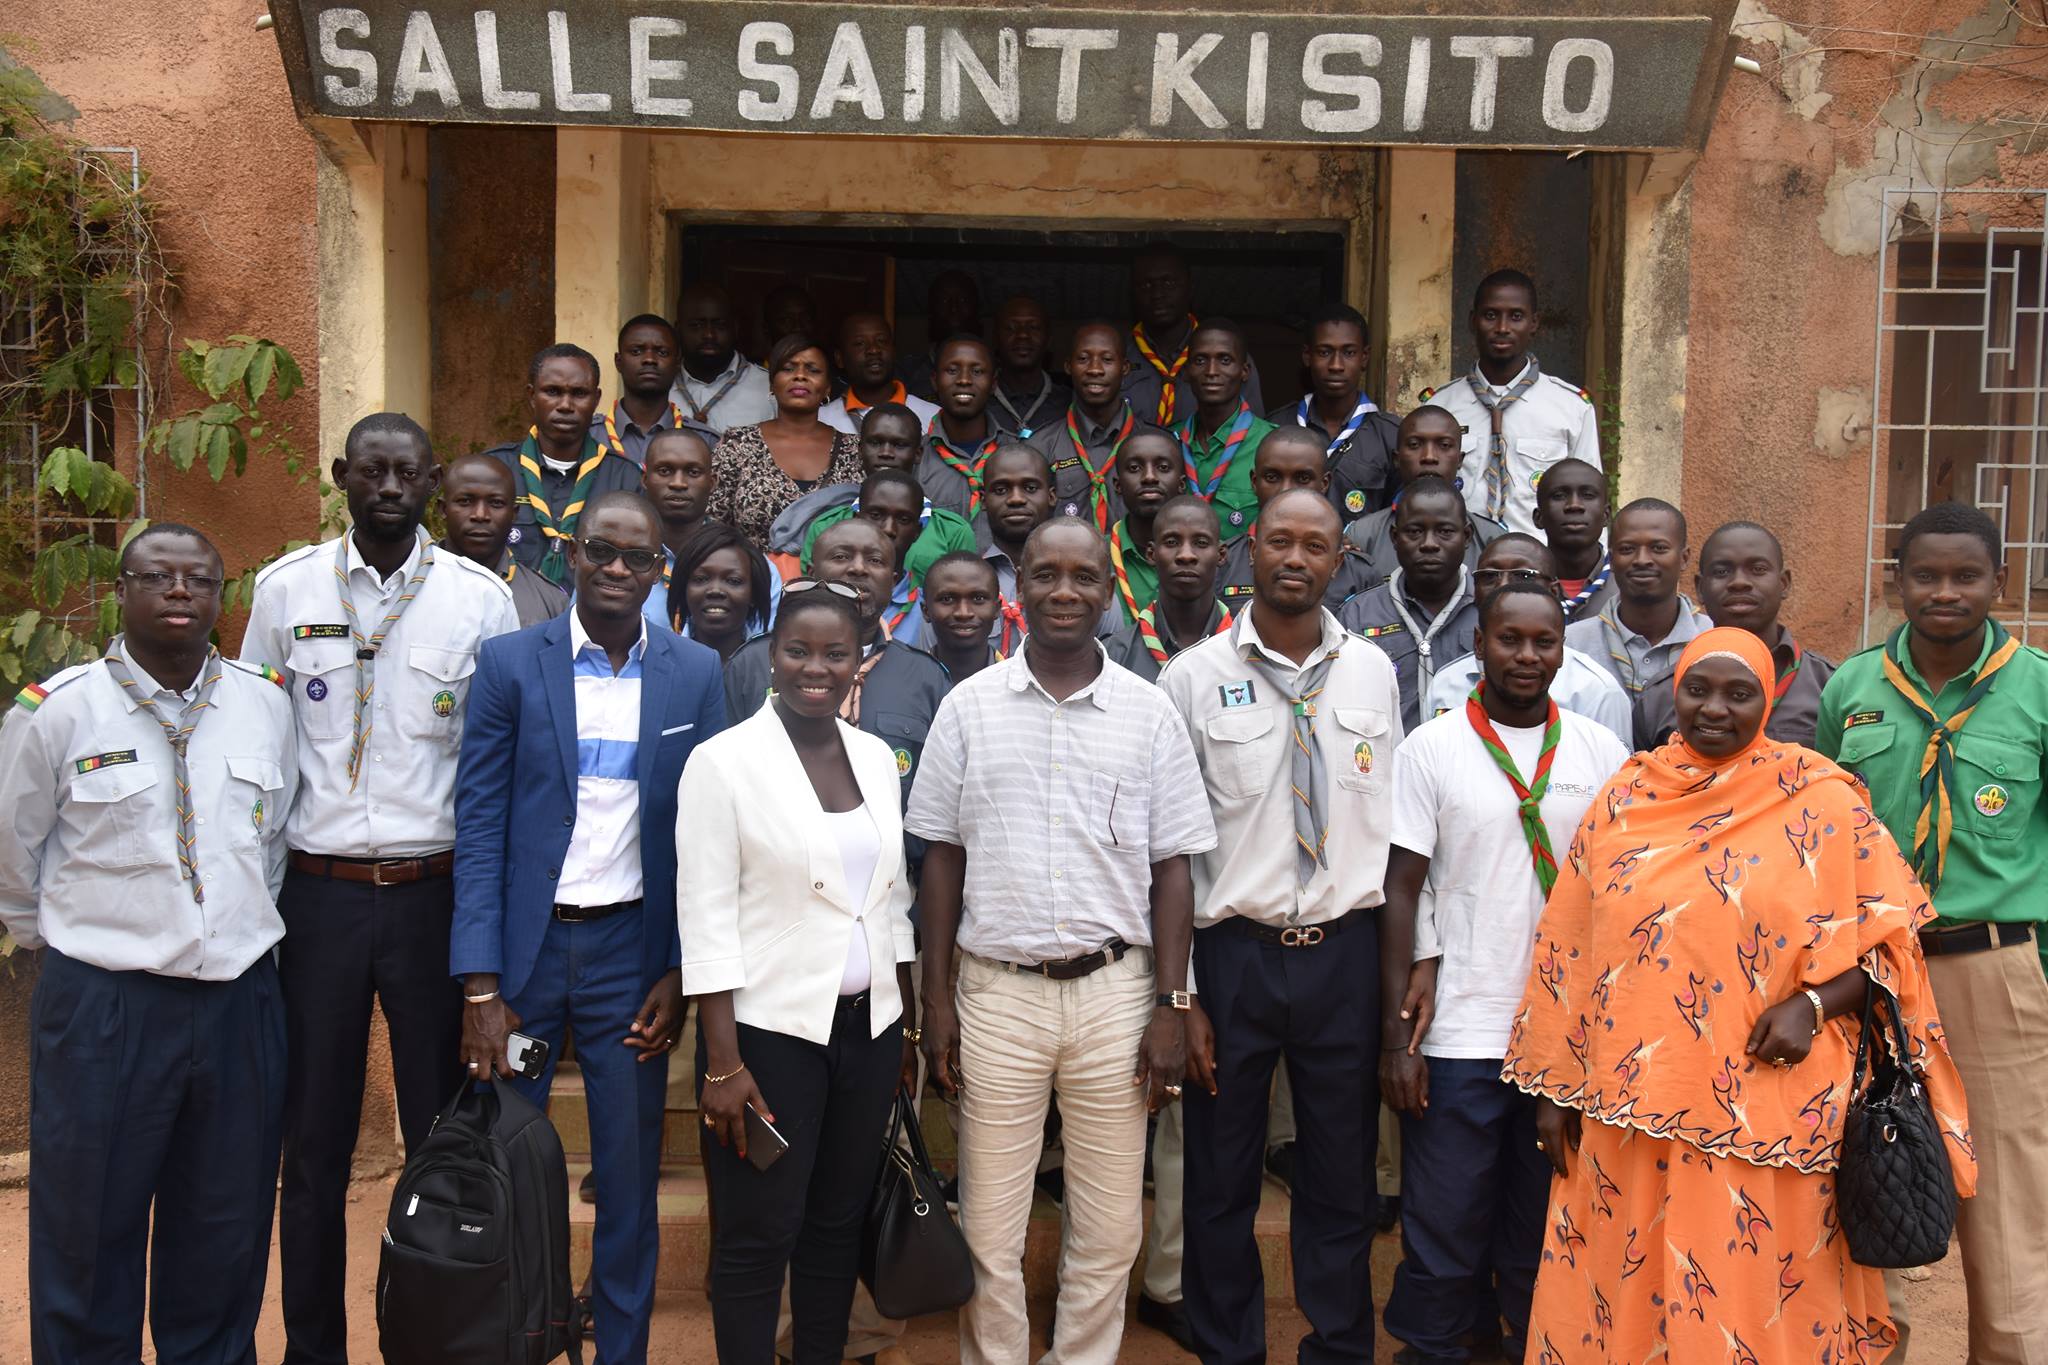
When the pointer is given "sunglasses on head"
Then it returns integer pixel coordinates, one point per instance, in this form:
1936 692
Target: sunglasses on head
603 552
797 585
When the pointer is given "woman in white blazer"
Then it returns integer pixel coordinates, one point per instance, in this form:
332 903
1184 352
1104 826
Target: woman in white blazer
793 903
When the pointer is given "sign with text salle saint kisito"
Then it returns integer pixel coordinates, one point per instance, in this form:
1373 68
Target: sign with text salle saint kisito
1639 80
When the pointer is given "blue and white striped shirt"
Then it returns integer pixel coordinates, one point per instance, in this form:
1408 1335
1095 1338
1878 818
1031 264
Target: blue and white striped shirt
602 866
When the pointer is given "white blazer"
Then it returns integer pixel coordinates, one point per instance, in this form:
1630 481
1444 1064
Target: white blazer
762 904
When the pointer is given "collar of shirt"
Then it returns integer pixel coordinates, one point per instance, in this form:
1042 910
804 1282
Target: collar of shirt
1503 388
580 644
1098 433
1682 630
1964 680
1245 639
148 686
1022 677
1398 587
691 384
376 582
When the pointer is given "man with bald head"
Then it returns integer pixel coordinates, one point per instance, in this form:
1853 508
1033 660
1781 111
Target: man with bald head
1061 803
479 500
1293 720
718 387
1288 458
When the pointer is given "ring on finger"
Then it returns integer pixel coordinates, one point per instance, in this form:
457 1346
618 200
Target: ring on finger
1173 1090
1540 1147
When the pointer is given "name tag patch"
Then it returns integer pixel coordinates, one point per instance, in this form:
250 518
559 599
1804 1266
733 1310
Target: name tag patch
1392 627
330 632
1238 694
98 761
1862 718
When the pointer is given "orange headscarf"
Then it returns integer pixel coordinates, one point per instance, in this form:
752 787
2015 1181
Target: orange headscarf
1697 894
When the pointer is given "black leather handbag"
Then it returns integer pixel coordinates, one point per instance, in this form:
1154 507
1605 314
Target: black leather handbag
1894 1193
913 1259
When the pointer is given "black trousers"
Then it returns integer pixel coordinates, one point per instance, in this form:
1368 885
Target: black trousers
154 1111
1320 1009
346 945
803 1215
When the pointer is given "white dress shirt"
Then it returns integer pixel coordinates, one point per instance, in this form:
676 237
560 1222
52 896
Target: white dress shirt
602 866
89 844
1246 752
1452 804
1581 686
1553 421
403 803
749 400
1061 806
835 415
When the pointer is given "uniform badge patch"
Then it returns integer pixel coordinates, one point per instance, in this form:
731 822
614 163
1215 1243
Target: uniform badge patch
328 632
120 756
1070 509
512 536
1361 757
1861 718
256 813
30 697
1237 518
316 689
1354 501
444 704
1990 799
903 763
1391 628
1238 694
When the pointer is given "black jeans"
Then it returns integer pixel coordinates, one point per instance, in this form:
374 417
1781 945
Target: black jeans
803 1215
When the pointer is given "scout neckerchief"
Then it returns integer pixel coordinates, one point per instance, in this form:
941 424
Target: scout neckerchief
1014 628
1168 374
1155 644
1789 671
611 426
178 734
1233 442
1425 636
1496 406
849 705
702 413
1304 415
554 565
1119 554
1099 479
366 649
1309 773
890 623
1528 795
968 467
1016 417
854 403
1938 763
1592 587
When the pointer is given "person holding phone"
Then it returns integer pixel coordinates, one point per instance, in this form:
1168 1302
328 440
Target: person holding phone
794 911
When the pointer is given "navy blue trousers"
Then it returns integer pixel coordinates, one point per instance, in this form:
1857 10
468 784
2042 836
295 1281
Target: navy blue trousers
1319 1008
589 979
1473 1194
155 1112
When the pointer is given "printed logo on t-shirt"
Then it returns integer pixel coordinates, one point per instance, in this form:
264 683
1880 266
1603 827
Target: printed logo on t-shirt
1573 789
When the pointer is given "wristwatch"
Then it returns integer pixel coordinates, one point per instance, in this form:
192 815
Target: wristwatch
1180 1000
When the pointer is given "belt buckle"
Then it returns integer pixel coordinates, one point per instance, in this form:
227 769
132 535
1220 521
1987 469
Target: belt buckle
1301 936
377 874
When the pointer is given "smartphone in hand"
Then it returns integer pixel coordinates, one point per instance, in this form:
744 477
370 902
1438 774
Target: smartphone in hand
765 1146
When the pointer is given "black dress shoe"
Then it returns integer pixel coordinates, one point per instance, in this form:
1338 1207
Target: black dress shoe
1168 1318
1388 1216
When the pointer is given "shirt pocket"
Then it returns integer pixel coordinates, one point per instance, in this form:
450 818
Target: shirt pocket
1238 758
323 683
1998 783
251 799
1534 455
431 708
1361 766
115 814
1860 743
1120 812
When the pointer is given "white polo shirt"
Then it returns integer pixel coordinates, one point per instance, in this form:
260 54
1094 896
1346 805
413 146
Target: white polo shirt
1553 421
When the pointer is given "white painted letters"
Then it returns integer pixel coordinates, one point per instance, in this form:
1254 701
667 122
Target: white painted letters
1173 77
1555 73
1071 42
1485 55
333 23
1363 91
778 39
491 71
999 92
641 31
567 98
422 65
1415 103
1256 50
848 77
913 74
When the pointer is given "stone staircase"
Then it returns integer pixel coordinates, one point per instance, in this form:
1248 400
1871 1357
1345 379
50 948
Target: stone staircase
685 1229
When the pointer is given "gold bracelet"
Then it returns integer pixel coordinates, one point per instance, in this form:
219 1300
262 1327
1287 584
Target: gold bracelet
913 1036
710 1079
1820 1014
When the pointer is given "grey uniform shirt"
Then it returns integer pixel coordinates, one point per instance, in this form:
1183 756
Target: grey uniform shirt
89 848
1072 489
527 542
945 486
1372 537
1361 469
1794 716
1129 648
1143 383
533 597
1415 640
1234 579
1639 665
1021 415
634 438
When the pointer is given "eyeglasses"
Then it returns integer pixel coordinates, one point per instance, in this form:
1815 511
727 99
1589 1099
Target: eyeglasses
603 552
797 585
1493 578
150 580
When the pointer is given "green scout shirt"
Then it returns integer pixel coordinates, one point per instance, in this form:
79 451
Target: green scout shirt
1133 579
1236 505
1997 865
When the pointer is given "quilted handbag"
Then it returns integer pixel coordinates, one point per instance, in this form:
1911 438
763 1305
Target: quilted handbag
1894 1193
914 1259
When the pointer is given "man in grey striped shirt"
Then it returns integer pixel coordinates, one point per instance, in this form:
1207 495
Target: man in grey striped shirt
1061 802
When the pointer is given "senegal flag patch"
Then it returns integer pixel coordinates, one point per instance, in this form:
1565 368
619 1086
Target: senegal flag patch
334 632
270 674
1392 627
98 761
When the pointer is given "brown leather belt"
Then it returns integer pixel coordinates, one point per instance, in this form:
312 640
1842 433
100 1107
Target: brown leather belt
1072 968
1293 935
1973 938
375 871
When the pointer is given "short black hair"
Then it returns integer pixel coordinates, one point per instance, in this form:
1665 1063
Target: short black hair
795 604
1181 501
706 541
1089 324
964 339
1432 410
646 320
1491 603
661 434
385 424
1015 447
1338 315
157 530
1512 538
892 408
1428 485
1224 325
1953 519
1499 279
623 499
1290 434
565 350
884 478
956 558
1653 505
1726 527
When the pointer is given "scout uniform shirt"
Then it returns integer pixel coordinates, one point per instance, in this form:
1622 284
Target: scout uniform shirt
951 475
1638 665
1219 468
1997 864
1415 640
566 489
1372 536
89 852
1552 421
1133 580
1144 383
1234 579
1360 458
1147 644
1019 416
1795 712
1084 471
533 597
399 802
621 435
739 396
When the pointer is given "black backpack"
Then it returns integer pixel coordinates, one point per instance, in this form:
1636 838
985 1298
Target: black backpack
474 1269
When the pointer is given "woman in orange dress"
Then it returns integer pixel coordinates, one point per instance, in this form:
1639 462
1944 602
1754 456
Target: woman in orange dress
1691 1013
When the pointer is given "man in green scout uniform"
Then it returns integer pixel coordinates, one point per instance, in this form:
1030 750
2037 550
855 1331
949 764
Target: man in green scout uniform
1947 724
1187 549
1220 436
560 466
1147 474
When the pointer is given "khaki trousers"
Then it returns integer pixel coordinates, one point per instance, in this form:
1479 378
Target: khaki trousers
1994 1008
1164 1238
1023 1039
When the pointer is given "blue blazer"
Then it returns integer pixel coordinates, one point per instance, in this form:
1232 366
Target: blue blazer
515 793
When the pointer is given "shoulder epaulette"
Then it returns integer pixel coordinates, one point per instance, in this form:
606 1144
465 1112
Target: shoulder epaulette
1427 394
1570 387
261 670
1868 649
290 557
30 697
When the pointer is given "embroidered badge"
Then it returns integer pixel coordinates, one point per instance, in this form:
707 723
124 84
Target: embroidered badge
256 813
1237 518
444 704
316 689
1861 718
1354 501
1233 591
271 675
1068 463
512 536
1238 694
1070 509
337 632
1990 799
98 761
903 763
1361 757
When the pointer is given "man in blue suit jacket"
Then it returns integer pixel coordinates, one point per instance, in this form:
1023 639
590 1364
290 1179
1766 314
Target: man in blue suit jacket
565 872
